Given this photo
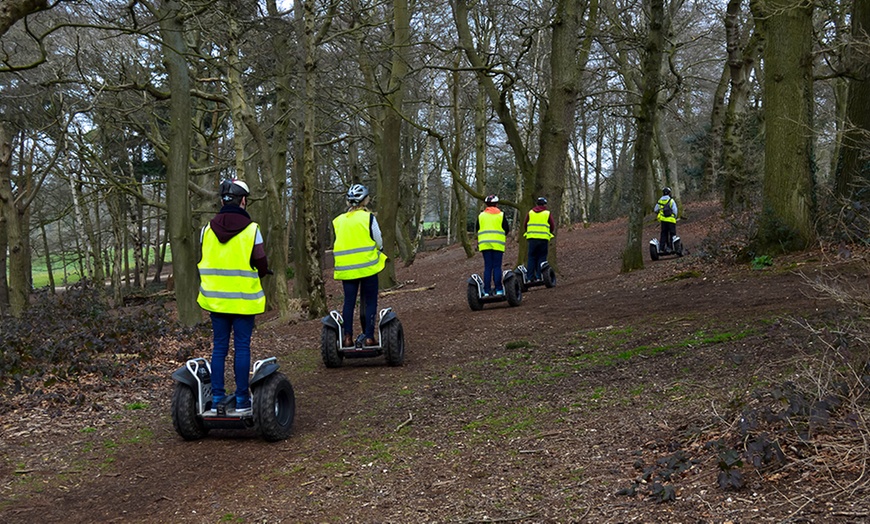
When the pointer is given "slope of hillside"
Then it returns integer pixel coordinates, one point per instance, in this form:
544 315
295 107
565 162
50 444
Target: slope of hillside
609 398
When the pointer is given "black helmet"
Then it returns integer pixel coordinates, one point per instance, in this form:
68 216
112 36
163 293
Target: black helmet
666 191
233 188
541 201
491 200
356 194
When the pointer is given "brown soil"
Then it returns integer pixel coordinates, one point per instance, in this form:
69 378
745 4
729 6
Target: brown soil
539 413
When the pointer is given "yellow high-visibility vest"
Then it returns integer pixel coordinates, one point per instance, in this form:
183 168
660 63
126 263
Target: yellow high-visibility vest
663 202
539 225
355 251
491 235
228 282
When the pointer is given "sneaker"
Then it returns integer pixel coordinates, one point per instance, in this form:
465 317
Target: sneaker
243 407
486 294
499 293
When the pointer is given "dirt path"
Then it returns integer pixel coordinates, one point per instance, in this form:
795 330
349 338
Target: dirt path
539 413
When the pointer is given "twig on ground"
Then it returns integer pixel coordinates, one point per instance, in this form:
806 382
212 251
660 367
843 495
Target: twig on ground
506 519
398 289
405 423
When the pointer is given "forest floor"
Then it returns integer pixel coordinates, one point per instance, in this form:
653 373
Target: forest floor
608 398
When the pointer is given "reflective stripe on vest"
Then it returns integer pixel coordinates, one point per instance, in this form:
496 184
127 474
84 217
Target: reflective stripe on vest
491 235
355 251
539 225
228 283
665 201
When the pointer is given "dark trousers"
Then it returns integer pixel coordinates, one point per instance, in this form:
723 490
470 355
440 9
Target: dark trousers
669 231
538 248
368 290
241 327
492 269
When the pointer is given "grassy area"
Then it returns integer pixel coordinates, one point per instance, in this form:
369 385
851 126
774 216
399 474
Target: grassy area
68 266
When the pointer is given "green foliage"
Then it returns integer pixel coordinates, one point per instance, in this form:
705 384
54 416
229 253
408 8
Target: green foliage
133 406
761 262
518 344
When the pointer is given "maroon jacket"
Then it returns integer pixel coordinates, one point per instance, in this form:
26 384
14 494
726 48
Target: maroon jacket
229 222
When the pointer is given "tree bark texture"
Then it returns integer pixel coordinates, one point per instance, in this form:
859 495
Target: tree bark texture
788 198
853 170
12 11
307 189
181 237
632 257
18 282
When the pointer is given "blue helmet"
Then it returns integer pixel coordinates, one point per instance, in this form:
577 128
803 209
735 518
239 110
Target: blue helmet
356 194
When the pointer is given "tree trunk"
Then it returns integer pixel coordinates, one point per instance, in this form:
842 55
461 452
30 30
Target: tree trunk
181 238
390 163
308 195
741 60
13 10
632 257
854 167
4 267
18 283
788 199
460 214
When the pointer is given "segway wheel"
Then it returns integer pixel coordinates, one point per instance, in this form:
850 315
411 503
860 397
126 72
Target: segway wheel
473 299
514 292
184 418
653 252
329 348
519 275
678 248
394 343
549 275
274 407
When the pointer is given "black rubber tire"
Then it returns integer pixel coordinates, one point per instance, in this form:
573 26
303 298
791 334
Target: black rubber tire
329 348
549 275
394 343
678 248
473 300
653 252
519 275
274 407
184 418
514 292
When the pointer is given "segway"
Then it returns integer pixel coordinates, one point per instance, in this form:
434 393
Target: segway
548 276
273 404
656 251
513 291
391 339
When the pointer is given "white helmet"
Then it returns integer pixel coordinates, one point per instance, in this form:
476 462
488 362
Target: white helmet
233 188
356 194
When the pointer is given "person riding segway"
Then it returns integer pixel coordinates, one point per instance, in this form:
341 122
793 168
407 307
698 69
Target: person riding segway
539 230
358 260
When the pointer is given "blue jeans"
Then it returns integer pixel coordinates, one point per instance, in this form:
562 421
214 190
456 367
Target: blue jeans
492 269
538 248
241 326
368 289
